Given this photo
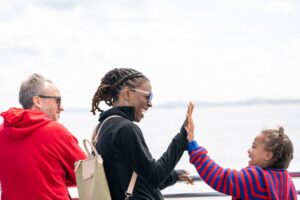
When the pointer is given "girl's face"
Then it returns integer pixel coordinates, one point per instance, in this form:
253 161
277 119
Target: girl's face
258 155
140 99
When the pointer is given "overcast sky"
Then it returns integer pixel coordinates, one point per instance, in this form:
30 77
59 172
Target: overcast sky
214 50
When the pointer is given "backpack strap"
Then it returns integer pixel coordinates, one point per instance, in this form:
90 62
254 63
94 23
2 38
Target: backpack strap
95 137
130 188
97 129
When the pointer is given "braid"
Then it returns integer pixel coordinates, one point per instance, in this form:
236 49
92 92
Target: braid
102 91
111 85
281 146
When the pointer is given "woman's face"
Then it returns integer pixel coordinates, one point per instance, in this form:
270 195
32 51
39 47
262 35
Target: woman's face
140 98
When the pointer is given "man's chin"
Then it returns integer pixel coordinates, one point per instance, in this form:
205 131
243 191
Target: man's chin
56 118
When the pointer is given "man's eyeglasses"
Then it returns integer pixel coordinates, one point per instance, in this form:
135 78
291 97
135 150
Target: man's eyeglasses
57 98
148 95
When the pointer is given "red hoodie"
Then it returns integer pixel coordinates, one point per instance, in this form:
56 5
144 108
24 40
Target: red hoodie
37 156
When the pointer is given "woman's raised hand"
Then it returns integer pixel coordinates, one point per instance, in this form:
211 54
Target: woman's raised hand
189 125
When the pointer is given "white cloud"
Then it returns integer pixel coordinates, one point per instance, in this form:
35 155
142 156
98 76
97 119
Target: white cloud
9 9
57 4
216 51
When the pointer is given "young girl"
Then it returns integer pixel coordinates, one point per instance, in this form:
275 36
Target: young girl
266 176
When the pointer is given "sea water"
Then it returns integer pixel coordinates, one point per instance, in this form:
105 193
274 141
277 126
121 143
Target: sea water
227 132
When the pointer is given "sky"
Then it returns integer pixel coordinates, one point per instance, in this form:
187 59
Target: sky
213 51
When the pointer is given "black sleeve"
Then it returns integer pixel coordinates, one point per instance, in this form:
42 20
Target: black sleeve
135 150
171 180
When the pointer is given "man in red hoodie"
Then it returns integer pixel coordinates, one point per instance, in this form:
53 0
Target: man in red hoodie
37 153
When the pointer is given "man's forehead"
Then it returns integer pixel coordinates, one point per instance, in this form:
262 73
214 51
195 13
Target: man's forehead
50 87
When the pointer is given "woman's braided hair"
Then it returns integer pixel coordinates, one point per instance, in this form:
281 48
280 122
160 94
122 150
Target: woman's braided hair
281 146
112 83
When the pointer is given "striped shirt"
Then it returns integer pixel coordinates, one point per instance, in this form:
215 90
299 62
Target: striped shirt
249 183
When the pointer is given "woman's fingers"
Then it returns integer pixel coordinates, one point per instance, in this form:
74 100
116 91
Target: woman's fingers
186 178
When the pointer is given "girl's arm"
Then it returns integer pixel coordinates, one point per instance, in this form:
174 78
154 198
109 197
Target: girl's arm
246 184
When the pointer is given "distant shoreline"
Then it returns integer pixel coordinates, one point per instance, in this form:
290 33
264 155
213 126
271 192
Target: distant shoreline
250 102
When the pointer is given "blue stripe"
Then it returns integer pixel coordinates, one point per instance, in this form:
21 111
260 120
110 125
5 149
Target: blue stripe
212 174
280 188
203 166
291 197
192 146
270 183
228 183
255 186
218 180
233 181
247 182
197 163
241 185
196 153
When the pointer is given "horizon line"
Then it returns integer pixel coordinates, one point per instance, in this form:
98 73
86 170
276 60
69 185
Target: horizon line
248 102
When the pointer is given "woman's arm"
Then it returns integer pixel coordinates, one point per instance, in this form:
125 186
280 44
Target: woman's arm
137 154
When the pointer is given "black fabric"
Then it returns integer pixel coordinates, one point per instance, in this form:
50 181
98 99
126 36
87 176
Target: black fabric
123 148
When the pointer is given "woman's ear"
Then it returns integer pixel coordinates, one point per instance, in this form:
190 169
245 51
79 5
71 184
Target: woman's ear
125 93
124 97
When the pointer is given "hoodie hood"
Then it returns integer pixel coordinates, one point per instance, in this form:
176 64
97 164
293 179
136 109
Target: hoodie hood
19 123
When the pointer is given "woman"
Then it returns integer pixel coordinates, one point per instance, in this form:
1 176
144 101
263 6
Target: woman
121 142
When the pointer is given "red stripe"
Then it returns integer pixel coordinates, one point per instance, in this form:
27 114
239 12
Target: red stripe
217 174
236 183
269 183
294 192
230 186
244 185
274 174
220 181
282 186
250 180
197 162
194 156
224 177
257 183
201 168
211 171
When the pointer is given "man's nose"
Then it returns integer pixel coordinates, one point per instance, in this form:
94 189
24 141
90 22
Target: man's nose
61 108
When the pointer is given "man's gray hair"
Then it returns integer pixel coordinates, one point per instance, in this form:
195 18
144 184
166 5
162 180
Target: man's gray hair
33 86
